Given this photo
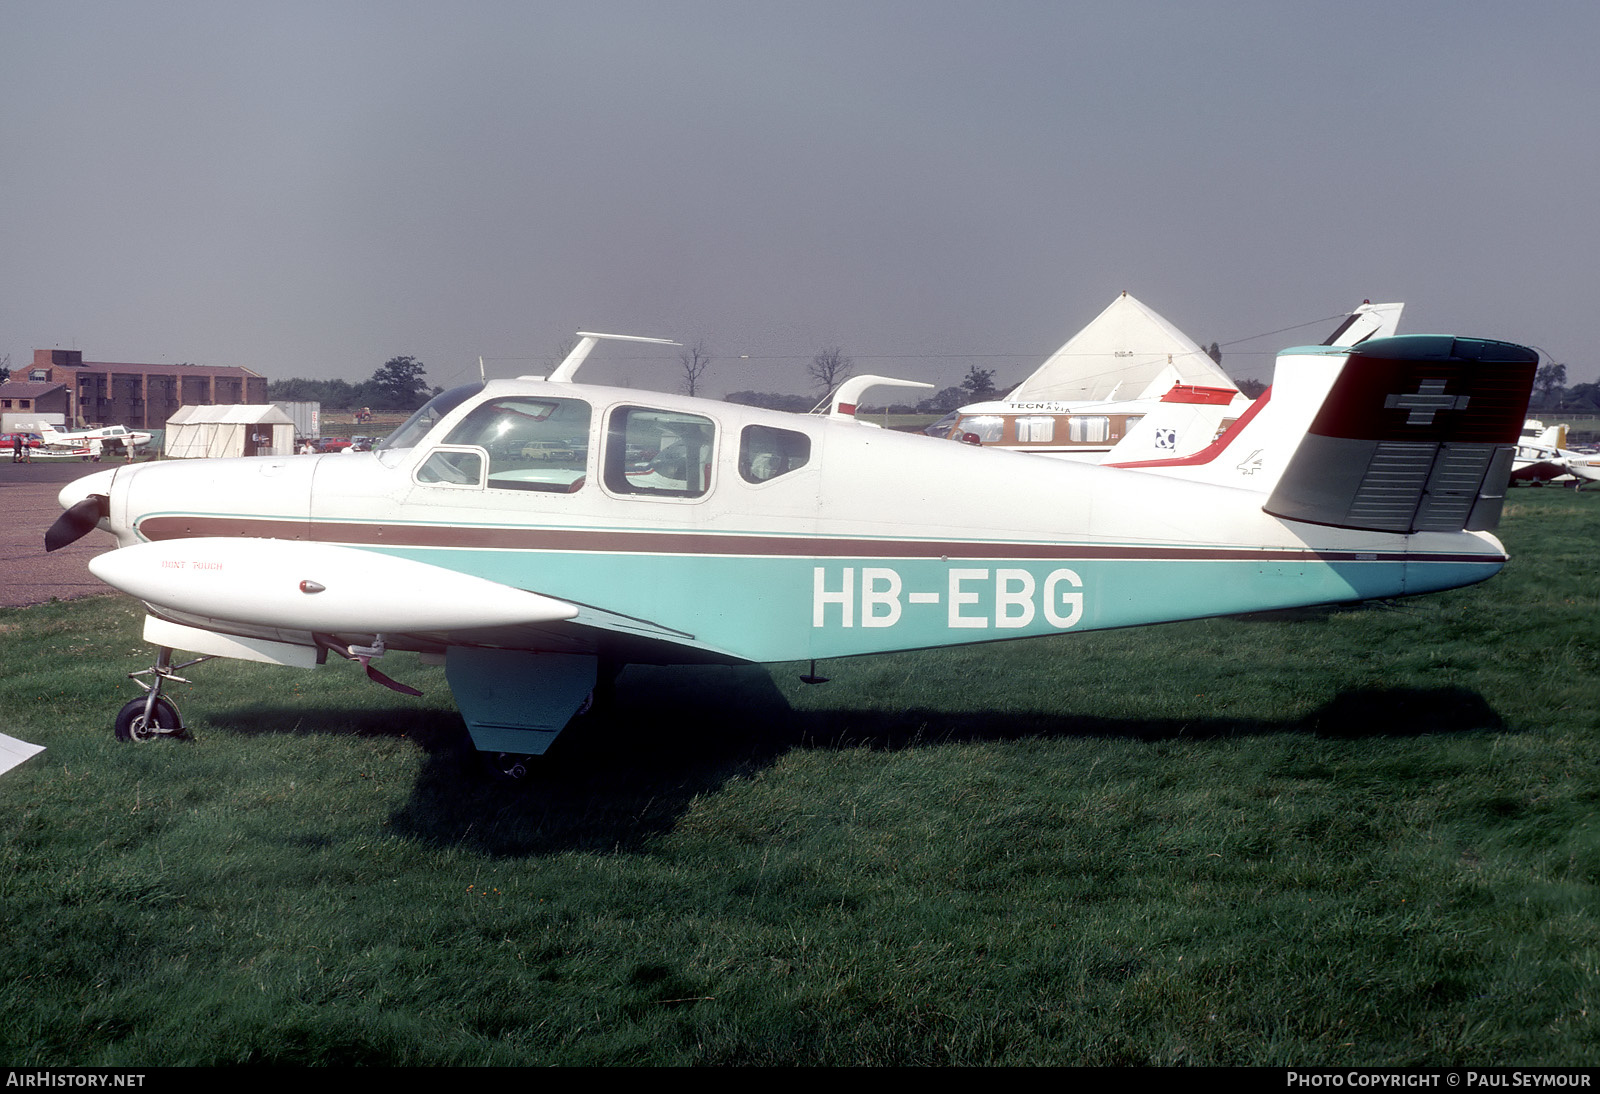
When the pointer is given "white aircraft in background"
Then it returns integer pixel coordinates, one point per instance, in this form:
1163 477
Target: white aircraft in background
1186 419
79 441
1094 393
534 535
1542 457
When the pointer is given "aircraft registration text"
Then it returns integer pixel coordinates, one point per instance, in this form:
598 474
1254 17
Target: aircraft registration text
970 597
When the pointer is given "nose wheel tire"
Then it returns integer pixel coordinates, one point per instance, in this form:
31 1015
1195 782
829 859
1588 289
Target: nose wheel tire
132 725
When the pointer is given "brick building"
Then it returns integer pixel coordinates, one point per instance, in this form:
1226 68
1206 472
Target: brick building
22 397
140 396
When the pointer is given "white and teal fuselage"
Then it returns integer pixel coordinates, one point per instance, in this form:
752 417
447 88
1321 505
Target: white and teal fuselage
881 541
535 562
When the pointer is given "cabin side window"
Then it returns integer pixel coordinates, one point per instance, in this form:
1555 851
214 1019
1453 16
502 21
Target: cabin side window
452 467
1091 429
1036 430
658 453
765 452
533 443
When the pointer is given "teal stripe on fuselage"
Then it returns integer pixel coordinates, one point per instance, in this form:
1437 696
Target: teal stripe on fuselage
766 608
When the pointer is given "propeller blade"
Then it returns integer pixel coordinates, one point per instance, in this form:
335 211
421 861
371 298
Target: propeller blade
77 522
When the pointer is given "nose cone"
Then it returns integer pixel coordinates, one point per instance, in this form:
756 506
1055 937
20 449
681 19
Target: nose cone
79 489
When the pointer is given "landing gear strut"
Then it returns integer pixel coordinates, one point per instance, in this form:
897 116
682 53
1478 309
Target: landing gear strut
154 715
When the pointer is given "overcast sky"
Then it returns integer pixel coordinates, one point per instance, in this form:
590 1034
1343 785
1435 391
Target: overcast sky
309 189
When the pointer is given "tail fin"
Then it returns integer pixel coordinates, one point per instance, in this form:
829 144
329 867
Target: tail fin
1554 437
1416 434
1411 433
1254 451
1187 419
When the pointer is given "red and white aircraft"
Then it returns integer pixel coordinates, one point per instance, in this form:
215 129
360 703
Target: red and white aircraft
80 440
1130 383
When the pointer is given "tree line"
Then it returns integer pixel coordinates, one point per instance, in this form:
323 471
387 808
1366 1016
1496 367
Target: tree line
399 386
1551 393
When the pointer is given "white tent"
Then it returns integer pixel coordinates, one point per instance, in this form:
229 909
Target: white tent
245 430
1126 352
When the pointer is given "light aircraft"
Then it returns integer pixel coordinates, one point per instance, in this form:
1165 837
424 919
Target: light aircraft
1090 397
536 534
79 440
1541 457
1189 417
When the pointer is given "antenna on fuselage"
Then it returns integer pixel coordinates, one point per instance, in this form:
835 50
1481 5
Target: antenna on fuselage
587 340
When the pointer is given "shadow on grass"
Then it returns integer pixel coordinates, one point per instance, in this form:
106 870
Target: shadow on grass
628 775
431 728
1322 613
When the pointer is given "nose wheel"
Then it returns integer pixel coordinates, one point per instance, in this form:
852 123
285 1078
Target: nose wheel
153 715
143 720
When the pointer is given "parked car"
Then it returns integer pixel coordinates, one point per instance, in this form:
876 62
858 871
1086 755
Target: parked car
333 444
9 440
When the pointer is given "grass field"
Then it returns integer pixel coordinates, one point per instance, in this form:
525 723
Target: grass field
1363 835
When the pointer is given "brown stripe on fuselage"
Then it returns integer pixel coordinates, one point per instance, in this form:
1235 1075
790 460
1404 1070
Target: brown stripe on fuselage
490 537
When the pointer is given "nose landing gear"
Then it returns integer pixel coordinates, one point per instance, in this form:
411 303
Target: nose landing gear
154 715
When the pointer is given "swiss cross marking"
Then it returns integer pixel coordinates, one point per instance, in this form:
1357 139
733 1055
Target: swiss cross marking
1426 401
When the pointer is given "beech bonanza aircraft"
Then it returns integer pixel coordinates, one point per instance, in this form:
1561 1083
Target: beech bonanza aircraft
537 534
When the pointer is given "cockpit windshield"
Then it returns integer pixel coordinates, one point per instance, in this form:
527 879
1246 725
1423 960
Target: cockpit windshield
418 425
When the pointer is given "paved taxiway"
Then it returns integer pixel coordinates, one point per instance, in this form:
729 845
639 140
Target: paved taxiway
27 507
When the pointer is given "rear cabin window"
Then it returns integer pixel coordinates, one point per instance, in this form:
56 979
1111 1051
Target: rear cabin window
533 443
765 452
658 453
